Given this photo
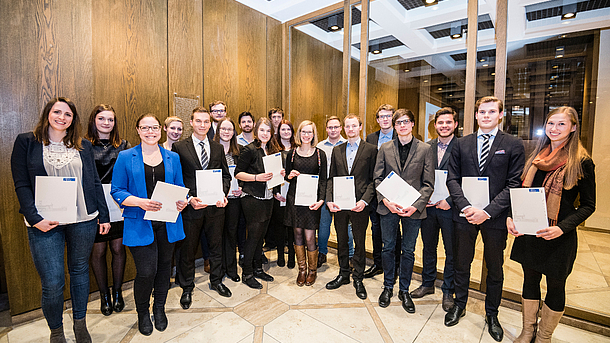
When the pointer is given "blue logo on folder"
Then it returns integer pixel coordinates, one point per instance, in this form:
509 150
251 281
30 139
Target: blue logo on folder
349 177
314 176
216 171
69 179
534 190
481 178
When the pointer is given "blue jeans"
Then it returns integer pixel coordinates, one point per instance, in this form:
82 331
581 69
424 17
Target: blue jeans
324 232
410 230
437 219
47 250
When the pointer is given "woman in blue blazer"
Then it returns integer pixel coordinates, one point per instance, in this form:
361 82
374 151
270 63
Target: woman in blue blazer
151 243
56 148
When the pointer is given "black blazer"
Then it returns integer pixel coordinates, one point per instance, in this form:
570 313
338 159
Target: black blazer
211 132
362 170
251 161
503 167
26 164
443 165
191 162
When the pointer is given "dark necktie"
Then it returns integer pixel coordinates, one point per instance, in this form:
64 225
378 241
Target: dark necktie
204 156
484 151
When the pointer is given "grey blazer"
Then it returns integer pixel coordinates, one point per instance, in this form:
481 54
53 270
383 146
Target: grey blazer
418 172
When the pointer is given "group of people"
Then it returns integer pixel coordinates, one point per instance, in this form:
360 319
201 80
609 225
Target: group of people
253 213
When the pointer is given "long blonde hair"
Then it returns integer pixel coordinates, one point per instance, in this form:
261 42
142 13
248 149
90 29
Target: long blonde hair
576 151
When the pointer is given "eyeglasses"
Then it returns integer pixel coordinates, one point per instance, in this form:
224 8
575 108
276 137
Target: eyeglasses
154 128
385 116
402 122
218 111
334 127
307 132
226 129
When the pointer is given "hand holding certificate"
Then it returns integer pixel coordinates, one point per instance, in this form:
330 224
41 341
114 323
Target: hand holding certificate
529 210
307 190
344 192
167 194
398 191
273 164
209 186
55 198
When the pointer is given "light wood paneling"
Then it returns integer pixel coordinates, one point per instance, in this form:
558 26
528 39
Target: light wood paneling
274 64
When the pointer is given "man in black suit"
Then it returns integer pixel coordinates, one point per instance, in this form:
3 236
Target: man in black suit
199 153
354 158
386 133
500 157
218 111
439 214
411 159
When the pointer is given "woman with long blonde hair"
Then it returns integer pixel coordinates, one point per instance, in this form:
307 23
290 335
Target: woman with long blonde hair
563 167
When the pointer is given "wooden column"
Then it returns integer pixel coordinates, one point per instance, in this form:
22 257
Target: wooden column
471 66
364 60
501 24
347 53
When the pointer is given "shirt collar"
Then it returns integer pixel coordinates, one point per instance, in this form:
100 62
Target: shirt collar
328 143
356 143
196 141
493 132
386 135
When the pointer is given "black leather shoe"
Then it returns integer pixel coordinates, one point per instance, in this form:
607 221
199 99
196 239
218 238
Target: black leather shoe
186 299
447 302
321 259
421 291
372 271
160 319
260 274
384 298
251 282
360 290
144 324
106 301
221 289
338 282
453 316
234 278
407 302
240 261
264 259
117 303
494 328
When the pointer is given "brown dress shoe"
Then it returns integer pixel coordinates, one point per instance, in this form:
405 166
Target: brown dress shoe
421 291
312 265
206 266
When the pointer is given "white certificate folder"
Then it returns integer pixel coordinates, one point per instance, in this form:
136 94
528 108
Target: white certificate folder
344 192
529 209
307 190
116 214
209 186
273 164
440 186
167 194
476 190
397 190
55 198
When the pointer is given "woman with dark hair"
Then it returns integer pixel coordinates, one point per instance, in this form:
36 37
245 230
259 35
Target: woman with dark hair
225 135
103 133
282 233
136 173
56 148
563 167
305 158
256 202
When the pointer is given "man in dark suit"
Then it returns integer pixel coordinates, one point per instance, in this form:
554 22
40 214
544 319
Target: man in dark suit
218 111
411 159
500 157
354 158
385 134
199 153
439 214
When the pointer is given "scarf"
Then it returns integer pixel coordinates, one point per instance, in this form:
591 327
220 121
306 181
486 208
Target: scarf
554 164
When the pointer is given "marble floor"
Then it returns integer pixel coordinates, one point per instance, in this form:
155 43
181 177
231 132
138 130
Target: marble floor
284 312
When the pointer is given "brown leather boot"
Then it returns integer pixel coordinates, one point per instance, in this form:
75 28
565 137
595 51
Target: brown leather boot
312 265
529 312
302 263
549 320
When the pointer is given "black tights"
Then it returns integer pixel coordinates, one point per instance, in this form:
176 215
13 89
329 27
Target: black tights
100 269
303 236
555 289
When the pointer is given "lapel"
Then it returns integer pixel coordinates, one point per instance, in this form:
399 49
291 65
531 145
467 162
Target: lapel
492 150
137 167
414 143
434 146
358 153
397 155
472 141
191 148
445 160
412 151
343 158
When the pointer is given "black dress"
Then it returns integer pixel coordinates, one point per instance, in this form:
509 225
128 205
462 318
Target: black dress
555 258
105 155
301 216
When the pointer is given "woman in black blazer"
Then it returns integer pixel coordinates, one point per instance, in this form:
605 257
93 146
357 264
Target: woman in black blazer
256 203
563 167
56 148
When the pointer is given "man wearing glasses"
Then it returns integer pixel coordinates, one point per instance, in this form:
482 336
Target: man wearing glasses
333 129
218 110
412 159
385 134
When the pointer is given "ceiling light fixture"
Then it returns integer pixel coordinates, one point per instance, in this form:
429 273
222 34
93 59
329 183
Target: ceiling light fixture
456 30
407 70
375 49
568 11
440 88
333 23
559 51
430 2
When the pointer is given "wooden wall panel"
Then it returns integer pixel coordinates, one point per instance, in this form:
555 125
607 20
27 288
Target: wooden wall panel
250 44
382 89
274 64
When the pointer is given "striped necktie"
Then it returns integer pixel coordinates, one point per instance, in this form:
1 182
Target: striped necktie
204 156
484 151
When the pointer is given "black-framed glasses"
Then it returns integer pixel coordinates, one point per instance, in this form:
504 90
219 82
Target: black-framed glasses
154 128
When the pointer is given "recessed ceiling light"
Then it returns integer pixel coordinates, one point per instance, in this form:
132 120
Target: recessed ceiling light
493 74
456 30
568 11
485 65
440 88
425 80
450 94
407 70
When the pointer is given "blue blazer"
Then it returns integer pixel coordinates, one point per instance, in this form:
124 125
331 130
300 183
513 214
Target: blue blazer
128 179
